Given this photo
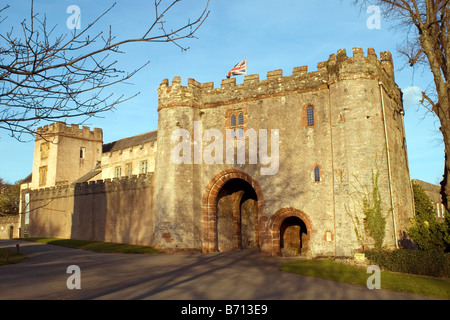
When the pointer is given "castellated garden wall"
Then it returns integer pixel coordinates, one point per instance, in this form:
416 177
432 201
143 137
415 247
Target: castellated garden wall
104 210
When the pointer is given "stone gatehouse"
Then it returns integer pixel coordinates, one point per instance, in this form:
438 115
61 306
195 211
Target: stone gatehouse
281 165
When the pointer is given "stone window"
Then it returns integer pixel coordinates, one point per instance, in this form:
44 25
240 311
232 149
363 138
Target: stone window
310 115
82 152
233 134
241 119
317 174
328 237
233 126
117 172
236 122
45 146
240 132
233 120
144 169
240 125
129 169
43 176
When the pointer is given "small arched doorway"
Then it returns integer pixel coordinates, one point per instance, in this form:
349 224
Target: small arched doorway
291 232
293 237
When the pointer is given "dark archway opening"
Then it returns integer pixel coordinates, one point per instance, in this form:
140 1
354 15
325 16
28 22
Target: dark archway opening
293 237
237 217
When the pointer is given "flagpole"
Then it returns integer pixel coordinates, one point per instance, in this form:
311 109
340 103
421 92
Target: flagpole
246 66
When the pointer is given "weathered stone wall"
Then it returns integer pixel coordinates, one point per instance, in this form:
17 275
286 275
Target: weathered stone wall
9 226
396 158
177 222
106 210
359 143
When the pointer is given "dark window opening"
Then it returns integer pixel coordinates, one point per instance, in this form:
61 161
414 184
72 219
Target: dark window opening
310 115
241 119
233 120
317 174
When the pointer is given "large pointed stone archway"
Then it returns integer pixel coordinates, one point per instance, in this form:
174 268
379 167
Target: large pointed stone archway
210 199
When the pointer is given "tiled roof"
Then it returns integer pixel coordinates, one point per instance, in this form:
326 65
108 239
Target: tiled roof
27 179
130 142
88 176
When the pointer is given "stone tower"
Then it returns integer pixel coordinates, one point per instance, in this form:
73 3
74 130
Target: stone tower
368 140
177 186
62 154
333 129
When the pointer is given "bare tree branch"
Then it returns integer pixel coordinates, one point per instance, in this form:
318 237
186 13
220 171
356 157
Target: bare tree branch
47 77
427 43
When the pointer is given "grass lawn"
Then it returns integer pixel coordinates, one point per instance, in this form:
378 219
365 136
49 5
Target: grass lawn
13 257
326 269
106 247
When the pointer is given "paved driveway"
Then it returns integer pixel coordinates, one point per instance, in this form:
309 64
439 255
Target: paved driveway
242 275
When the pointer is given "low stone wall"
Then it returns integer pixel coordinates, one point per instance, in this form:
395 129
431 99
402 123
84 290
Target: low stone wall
9 226
105 210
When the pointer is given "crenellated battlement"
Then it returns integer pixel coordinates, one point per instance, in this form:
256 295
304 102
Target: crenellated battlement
94 187
61 128
341 64
338 67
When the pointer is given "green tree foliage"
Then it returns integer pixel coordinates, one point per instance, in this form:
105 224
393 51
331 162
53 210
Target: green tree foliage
9 198
425 230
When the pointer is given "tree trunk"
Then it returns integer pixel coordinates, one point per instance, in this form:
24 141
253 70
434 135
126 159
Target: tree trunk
445 183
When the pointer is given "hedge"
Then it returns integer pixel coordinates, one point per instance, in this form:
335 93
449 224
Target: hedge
427 263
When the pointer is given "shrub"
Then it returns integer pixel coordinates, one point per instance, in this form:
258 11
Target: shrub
427 263
425 230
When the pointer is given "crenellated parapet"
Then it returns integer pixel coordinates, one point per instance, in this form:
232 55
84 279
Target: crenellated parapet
94 187
338 67
62 129
341 65
59 191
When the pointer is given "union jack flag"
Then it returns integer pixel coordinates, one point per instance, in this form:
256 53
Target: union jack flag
239 69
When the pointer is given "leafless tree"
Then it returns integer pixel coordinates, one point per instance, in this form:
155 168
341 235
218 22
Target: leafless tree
48 77
426 24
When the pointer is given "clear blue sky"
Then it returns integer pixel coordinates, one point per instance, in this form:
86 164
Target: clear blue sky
272 35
